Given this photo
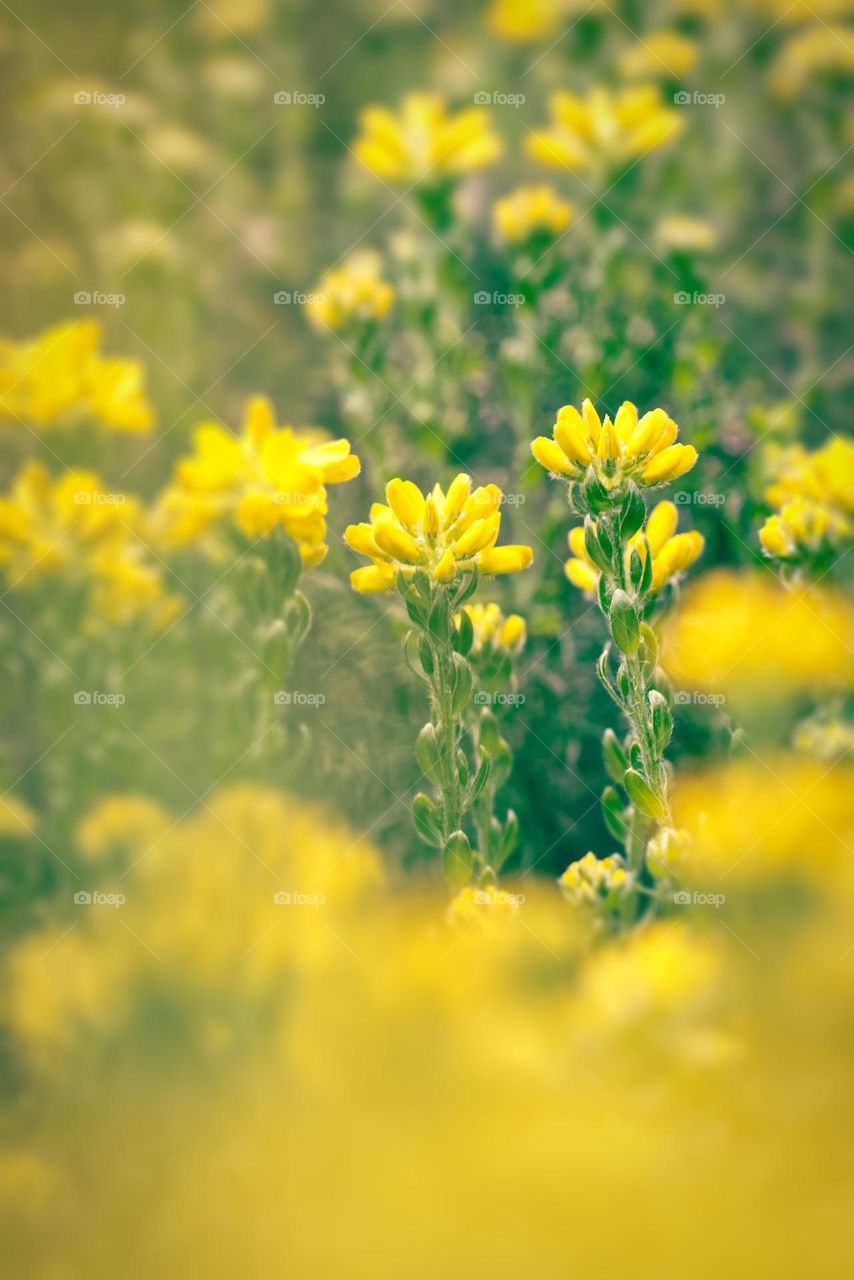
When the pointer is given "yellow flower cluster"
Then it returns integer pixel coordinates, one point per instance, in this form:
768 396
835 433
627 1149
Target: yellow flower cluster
70 527
751 637
815 496
591 880
604 129
425 141
530 211
493 630
672 552
265 478
524 20
443 534
60 377
661 54
353 292
641 449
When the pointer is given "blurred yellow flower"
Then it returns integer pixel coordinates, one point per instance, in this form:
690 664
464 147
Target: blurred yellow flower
815 496
755 817
678 231
817 51
591 880
524 20
672 552
353 292
660 54
751 637
629 448
16 818
529 211
69 528
121 823
606 129
424 141
61 377
493 630
267 477
445 535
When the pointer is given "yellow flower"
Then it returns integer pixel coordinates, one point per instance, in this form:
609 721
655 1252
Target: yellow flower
60 377
493 630
424 141
815 496
529 211
818 50
661 54
16 818
672 552
751 637
69 528
629 448
524 20
353 292
606 129
265 478
443 534
121 822
593 880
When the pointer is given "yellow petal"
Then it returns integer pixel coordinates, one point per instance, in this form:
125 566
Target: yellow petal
396 542
372 577
551 456
505 559
406 501
669 464
661 525
447 567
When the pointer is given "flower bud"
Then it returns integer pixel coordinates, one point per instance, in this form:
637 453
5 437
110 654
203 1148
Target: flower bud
625 626
642 795
457 860
426 818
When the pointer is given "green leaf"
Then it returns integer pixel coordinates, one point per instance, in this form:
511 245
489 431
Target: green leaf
464 634
612 812
632 514
625 625
509 840
457 860
613 755
427 822
461 684
428 754
642 795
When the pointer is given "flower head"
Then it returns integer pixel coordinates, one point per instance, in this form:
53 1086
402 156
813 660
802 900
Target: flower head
605 129
353 293
593 880
60 377
444 534
425 141
672 552
493 631
531 211
642 449
815 496
68 529
661 54
267 477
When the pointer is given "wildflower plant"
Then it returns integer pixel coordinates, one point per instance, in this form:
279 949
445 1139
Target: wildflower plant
432 551
625 557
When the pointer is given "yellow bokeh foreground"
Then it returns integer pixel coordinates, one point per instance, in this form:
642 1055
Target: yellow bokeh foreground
263 1062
